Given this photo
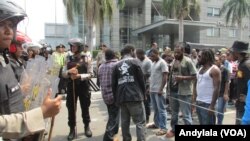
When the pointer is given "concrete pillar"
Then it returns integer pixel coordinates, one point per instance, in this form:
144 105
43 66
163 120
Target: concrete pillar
106 32
147 11
146 41
115 35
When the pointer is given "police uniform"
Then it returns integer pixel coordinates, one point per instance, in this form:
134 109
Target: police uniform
78 87
11 98
81 90
17 67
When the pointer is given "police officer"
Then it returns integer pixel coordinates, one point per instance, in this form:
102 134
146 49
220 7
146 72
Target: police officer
46 50
240 51
11 99
78 71
15 53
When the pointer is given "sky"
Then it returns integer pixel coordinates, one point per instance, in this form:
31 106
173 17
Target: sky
40 12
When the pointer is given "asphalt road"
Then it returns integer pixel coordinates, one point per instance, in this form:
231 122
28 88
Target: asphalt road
99 119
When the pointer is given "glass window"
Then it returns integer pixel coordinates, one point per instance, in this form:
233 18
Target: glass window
139 10
213 12
124 12
213 32
209 11
232 32
56 30
216 32
49 30
216 12
124 35
209 31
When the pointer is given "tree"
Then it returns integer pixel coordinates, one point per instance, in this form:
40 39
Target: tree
94 11
235 11
180 9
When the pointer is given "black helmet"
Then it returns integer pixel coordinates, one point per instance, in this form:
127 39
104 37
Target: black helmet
12 11
46 49
76 42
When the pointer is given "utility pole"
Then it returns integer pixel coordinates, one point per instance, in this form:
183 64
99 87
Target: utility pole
55 20
25 12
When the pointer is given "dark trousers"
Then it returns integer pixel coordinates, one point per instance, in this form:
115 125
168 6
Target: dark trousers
240 110
112 126
62 86
232 89
81 91
147 106
136 111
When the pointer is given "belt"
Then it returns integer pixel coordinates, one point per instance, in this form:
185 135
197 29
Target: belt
200 103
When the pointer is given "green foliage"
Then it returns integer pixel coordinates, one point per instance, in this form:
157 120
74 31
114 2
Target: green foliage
95 52
180 8
235 11
94 10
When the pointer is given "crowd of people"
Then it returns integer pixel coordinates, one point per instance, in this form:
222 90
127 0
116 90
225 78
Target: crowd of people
191 81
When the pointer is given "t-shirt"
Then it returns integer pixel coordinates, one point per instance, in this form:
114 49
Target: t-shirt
157 70
228 66
146 67
186 68
100 58
224 80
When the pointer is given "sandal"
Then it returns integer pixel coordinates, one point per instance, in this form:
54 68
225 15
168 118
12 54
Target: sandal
161 132
170 134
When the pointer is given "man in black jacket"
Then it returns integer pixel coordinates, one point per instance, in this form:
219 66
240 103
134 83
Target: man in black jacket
240 53
128 87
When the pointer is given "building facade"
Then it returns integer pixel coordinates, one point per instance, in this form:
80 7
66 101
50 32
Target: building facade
141 22
208 28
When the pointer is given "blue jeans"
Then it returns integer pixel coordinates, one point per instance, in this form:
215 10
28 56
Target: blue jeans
202 113
160 113
177 105
137 112
221 105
